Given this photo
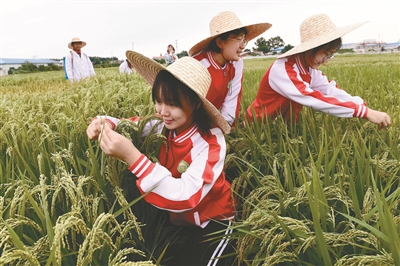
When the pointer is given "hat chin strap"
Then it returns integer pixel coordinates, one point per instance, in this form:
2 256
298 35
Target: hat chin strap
303 58
226 61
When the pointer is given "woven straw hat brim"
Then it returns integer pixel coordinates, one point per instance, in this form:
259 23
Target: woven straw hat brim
189 71
253 30
323 38
76 40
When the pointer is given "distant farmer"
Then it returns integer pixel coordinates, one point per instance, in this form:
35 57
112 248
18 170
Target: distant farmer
77 63
126 67
294 80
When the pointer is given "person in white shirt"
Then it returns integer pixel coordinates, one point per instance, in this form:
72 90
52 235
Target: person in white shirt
170 55
77 63
126 67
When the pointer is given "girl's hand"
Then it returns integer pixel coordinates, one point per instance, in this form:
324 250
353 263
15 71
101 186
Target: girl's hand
380 118
115 145
94 129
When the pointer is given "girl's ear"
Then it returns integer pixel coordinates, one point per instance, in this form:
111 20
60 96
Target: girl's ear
218 42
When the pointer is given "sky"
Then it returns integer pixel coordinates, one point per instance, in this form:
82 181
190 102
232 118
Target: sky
43 29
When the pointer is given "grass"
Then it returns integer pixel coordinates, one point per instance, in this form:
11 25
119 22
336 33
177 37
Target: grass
322 192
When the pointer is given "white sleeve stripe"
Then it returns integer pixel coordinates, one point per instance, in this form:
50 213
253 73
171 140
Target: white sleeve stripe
361 111
358 112
364 110
139 165
196 217
144 168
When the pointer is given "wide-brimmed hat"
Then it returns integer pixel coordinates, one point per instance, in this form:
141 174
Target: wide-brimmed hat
318 30
76 39
227 21
189 71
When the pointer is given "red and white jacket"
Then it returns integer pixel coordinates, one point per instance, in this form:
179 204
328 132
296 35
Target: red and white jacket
189 181
225 92
289 84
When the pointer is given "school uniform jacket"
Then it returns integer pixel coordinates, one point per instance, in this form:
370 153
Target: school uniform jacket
288 85
189 180
78 67
225 92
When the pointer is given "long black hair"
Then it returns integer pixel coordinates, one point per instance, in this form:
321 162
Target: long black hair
171 91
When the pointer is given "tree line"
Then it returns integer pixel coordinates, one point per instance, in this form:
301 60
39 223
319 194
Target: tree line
98 62
267 46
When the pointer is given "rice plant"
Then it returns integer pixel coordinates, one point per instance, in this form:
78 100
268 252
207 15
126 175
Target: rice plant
324 191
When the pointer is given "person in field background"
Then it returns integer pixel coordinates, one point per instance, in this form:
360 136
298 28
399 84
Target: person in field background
170 55
294 81
221 53
126 67
77 64
189 180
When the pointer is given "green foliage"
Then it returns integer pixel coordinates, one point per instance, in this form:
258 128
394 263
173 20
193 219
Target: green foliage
286 48
261 45
104 62
182 54
32 68
275 42
265 46
160 61
322 192
11 70
344 51
306 191
47 156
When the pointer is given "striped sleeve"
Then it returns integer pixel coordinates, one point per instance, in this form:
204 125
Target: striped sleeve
184 193
319 94
111 120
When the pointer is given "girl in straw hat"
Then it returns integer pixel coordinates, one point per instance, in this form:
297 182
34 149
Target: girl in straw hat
221 54
189 180
294 80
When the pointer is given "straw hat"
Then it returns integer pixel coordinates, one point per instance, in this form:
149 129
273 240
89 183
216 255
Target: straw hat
318 30
76 39
227 21
189 71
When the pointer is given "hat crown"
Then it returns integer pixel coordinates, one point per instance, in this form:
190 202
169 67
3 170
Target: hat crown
76 39
192 73
318 30
223 22
315 26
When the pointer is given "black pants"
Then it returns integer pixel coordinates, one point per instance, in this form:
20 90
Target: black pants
198 248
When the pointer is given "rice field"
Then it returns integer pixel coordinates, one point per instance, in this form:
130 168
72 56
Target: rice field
325 191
